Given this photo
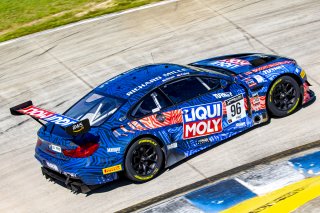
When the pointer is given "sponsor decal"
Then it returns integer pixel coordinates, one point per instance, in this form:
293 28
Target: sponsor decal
115 150
256 102
164 77
123 118
175 72
52 166
145 84
294 107
172 146
203 141
223 95
250 82
277 200
60 120
183 74
69 174
258 78
271 70
36 112
147 141
302 74
116 133
143 178
270 66
48 116
231 63
297 70
147 177
235 108
77 127
242 124
202 120
168 79
112 169
55 148
272 88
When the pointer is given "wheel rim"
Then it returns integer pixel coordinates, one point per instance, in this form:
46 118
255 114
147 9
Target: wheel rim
284 96
144 159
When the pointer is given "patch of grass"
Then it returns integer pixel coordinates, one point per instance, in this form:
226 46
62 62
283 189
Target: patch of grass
23 17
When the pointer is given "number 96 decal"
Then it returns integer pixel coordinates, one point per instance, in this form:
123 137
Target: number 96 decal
235 108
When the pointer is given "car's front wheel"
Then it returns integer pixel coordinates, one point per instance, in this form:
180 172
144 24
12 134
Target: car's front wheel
283 97
143 160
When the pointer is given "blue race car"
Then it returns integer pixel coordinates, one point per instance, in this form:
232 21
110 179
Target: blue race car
153 116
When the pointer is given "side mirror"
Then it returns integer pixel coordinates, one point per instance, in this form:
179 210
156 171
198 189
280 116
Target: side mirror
224 83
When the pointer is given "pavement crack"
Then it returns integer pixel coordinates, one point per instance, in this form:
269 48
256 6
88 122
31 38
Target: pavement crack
248 40
64 37
68 68
47 50
242 6
24 54
73 72
198 171
243 31
14 126
59 104
17 149
238 27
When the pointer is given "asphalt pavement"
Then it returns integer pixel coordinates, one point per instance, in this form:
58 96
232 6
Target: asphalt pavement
56 68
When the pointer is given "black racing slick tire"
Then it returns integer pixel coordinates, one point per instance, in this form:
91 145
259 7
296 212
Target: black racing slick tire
283 97
144 160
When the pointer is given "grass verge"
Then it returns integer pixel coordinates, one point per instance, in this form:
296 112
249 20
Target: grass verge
23 17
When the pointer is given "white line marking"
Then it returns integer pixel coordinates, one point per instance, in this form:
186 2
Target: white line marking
86 21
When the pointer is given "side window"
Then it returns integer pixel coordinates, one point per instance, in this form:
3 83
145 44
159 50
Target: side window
150 104
185 89
212 83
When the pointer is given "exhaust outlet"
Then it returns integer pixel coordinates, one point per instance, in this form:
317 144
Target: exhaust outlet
257 119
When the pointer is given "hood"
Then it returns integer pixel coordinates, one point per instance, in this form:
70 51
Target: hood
237 64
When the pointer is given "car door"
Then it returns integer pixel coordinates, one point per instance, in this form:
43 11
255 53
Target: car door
208 109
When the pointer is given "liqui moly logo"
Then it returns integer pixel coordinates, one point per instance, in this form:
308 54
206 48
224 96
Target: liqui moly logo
202 120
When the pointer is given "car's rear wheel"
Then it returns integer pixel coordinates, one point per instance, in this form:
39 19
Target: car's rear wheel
143 160
283 97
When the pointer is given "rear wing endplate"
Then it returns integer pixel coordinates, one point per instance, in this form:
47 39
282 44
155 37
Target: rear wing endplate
71 126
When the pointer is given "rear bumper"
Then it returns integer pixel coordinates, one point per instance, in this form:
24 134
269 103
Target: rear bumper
79 171
71 183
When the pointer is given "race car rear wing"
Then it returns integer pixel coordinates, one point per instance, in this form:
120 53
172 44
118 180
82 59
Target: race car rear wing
71 126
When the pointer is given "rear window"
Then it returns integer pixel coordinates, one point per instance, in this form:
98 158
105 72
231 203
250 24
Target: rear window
97 108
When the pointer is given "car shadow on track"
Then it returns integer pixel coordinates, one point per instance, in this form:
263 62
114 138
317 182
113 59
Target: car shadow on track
122 181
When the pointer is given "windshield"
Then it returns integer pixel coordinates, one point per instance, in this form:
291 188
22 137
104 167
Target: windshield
95 107
214 70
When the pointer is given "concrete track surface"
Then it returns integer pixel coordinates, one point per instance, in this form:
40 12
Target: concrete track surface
57 68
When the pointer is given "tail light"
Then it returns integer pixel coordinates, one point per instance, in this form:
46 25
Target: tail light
81 151
39 142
